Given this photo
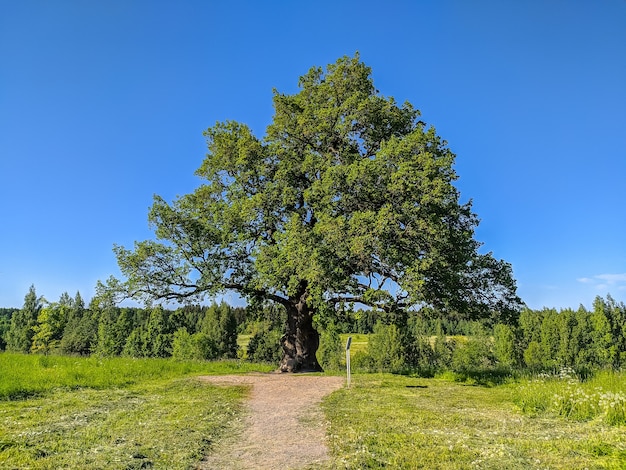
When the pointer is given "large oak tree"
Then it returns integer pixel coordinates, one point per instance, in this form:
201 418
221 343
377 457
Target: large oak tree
348 198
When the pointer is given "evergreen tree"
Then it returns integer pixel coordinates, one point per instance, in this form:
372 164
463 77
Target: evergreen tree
5 324
567 351
616 314
76 335
107 334
135 344
581 339
51 323
157 336
20 334
603 350
122 329
549 338
220 327
505 345
530 322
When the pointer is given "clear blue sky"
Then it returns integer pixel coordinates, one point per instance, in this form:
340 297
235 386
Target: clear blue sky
103 104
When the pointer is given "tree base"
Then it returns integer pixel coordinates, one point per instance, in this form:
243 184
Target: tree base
289 364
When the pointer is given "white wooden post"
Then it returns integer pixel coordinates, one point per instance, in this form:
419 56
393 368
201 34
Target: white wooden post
348 359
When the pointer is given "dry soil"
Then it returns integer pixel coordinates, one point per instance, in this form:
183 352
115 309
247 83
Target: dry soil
284 427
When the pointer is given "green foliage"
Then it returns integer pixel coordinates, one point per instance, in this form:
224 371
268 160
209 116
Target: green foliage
158 334
183 346
220 328
331 352
474 355
443 350
385 349
505 347
533 356
80 333
20 334
264 344
108 342
580 339
48 331
5 324
348 199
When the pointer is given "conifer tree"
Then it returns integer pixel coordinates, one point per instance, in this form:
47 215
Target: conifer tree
20 334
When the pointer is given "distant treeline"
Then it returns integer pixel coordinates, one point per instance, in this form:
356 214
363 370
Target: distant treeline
190 332
544 339
541 340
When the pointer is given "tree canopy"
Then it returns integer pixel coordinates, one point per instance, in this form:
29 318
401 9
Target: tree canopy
348 198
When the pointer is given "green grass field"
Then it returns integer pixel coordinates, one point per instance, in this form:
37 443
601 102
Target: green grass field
95 413
358 344
387 421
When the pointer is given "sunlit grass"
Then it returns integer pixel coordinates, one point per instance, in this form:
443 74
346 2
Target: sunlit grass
243 340
386 421
603 397
358 344
23 375
94 413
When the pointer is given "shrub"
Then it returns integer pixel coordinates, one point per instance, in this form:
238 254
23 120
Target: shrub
443 349
504 345
475 355
205 346
264 345
183 347
362 361
331 352
385 349
533 356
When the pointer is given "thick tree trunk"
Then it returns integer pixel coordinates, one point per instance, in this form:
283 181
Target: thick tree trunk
301 340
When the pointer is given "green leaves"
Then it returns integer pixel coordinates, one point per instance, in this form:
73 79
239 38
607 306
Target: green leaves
347 194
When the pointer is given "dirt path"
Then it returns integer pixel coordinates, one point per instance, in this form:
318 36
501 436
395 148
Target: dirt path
284 427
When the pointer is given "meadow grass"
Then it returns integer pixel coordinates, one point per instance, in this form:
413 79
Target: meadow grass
601 398
243 340
359 342
95 413
24 375
387 421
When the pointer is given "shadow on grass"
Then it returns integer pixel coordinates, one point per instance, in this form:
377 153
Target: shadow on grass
484 377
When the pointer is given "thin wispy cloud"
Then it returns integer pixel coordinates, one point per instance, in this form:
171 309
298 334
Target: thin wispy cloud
605 281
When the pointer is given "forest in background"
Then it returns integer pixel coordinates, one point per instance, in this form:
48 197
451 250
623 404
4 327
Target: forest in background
422 342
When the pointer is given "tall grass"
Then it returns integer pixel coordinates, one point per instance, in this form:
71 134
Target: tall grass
386 421
602 397
24 375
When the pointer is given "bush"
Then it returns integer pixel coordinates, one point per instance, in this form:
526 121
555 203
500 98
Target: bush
331 352
504 345
385 349
443 349
533 356
475 355
362 361
183 347
264 345
205 347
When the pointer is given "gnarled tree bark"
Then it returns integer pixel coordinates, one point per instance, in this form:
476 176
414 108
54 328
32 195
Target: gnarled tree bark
301 340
